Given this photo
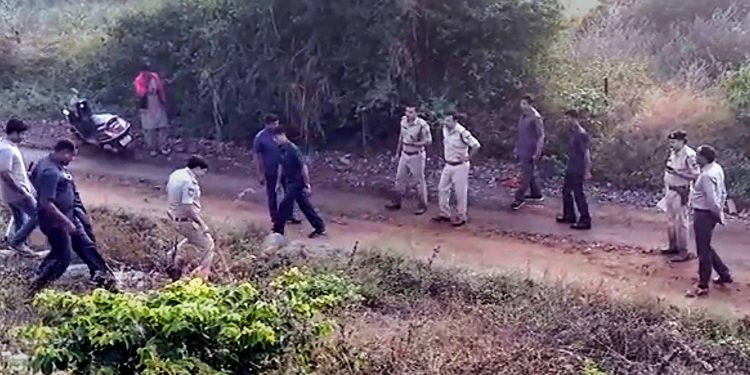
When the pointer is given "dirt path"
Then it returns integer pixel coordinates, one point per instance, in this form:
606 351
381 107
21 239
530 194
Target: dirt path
609 257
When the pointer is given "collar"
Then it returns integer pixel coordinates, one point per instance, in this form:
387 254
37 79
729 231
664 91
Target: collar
191 174
708 166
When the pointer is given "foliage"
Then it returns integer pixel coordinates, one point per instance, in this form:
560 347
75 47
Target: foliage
736 86
187 328
322 64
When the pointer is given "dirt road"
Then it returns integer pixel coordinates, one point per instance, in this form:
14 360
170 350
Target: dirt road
613 256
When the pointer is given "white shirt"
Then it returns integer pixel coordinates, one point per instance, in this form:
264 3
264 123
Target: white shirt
457 142
710 192
417 131
11 161
183 192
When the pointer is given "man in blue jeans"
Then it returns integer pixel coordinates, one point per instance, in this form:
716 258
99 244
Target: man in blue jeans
57 220
16 188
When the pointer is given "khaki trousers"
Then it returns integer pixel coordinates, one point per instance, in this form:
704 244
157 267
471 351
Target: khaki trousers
202 241
413 165
455 179
678 229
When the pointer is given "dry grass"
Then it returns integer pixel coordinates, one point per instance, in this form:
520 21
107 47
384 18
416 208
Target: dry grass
420 319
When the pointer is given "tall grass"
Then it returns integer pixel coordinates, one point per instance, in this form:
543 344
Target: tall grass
665 61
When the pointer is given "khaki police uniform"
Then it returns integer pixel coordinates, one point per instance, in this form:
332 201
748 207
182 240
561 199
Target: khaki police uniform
455 177
183 197
412 159
677 192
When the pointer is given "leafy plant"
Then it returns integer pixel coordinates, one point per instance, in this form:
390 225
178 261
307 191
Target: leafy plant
187 328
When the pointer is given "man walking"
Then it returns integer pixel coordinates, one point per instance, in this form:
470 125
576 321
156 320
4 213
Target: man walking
16 188
184 210
267 160
577 171
298 188
459 147
528 151
415 135
681 170
56 206
708 198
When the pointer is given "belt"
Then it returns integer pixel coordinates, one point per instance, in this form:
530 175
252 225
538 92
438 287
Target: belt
183 220
455 163
678 187
412 153
702 210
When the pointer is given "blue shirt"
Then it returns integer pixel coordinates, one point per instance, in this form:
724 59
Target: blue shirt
53 182
292 165
577 148
265 146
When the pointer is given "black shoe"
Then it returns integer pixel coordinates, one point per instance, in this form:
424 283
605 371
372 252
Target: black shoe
392 206
458 224
669 252
294 221
517 205
534 198
317 233
174 272
105 280
441 219
723 280
420 210
564 220
581 226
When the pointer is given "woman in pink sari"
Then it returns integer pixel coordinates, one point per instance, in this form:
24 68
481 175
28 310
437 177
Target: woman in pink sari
153 100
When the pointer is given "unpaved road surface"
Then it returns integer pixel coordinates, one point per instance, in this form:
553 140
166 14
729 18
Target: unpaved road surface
614 256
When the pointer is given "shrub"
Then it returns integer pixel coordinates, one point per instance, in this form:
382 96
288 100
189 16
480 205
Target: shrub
328 66
187 328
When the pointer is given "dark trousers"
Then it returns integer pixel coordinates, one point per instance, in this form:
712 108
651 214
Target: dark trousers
291 195
704 223
528 180
24 221
272 195
572 197
62 244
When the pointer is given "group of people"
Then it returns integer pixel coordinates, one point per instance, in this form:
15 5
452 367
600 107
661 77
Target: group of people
694 181
460 146
44 195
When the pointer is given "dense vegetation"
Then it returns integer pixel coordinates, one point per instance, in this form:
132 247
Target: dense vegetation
339 71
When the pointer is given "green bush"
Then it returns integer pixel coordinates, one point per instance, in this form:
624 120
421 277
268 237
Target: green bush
329 66
188 328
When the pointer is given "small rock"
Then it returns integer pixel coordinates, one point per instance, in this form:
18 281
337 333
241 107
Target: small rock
273 242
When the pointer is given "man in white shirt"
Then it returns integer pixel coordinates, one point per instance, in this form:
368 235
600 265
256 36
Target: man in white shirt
414 136
707 199
184 207
459 147
16 188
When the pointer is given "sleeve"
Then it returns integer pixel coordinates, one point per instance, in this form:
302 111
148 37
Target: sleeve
298 160
47 189
539 125
427 136
713 194
189 192
257 145
583 143
6 161
470 140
